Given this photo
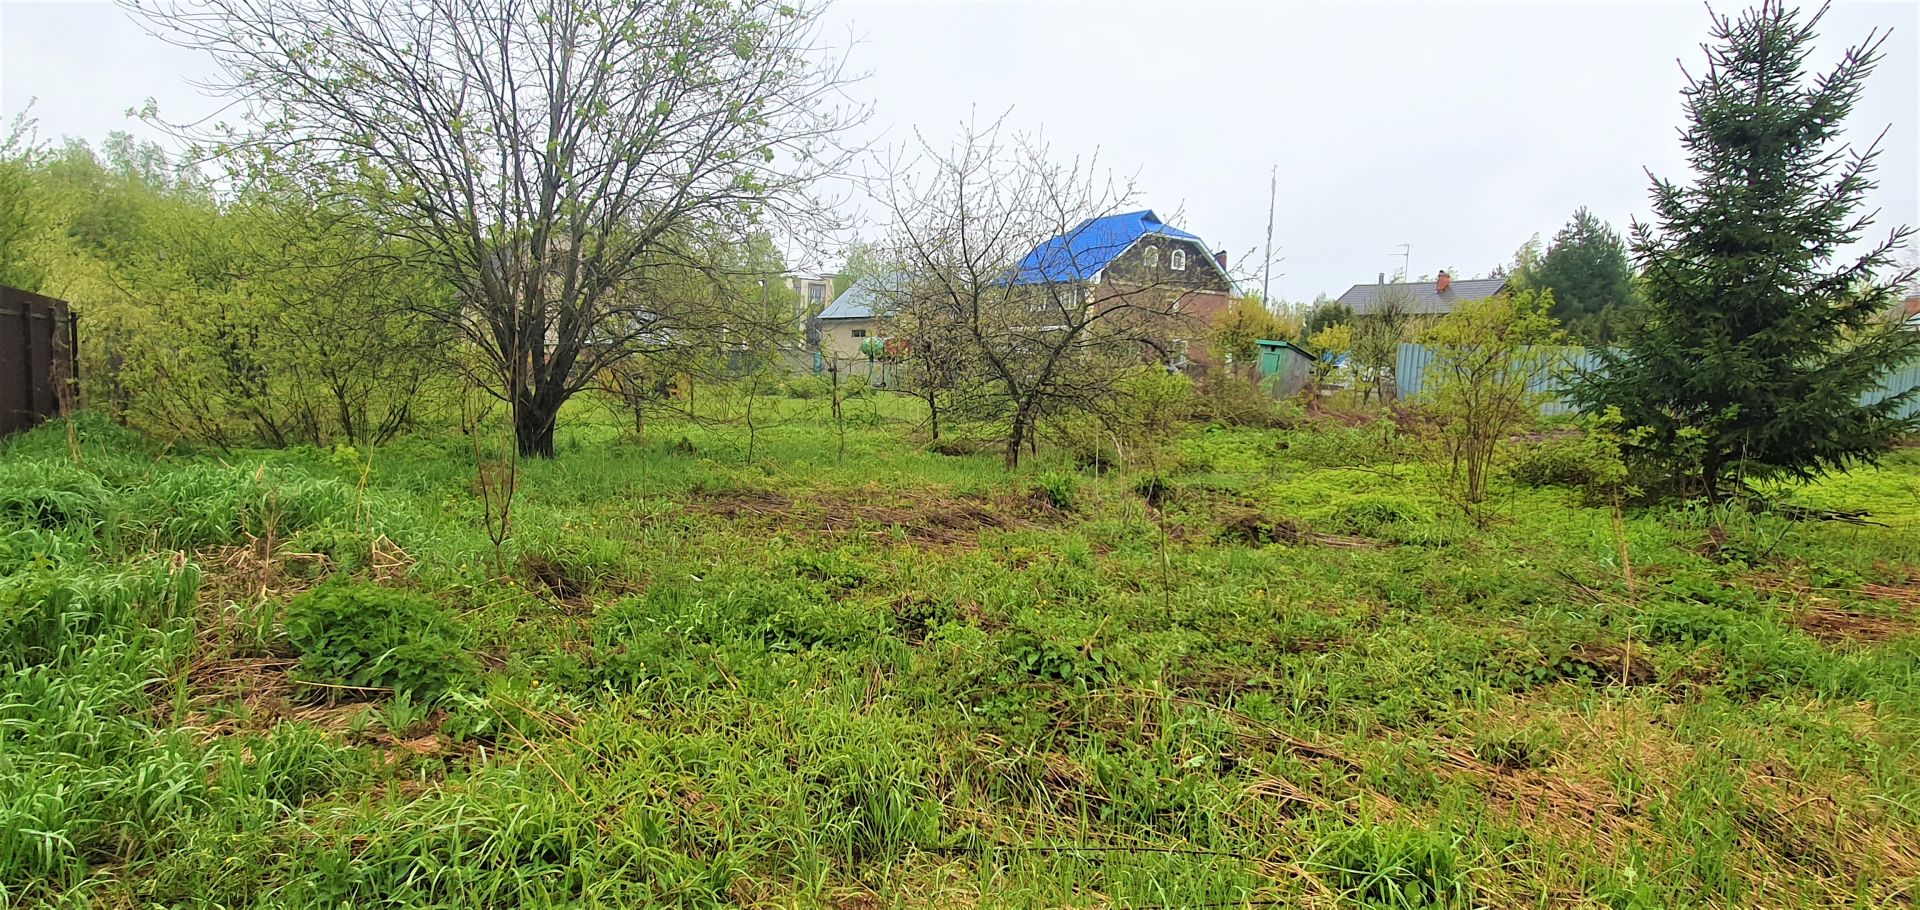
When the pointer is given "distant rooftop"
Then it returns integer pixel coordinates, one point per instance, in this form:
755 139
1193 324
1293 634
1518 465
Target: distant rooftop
1421 297
861 299
1080 253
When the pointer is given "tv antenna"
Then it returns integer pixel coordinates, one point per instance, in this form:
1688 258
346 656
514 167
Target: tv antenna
1406 260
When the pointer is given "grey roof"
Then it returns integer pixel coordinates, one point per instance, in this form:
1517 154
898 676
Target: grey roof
1419 295
860 300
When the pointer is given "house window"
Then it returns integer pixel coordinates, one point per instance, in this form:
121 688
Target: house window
817 293
1152 255
859 333
1177 261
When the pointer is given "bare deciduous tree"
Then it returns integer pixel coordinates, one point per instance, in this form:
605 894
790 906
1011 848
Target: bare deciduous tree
541 153
1038 342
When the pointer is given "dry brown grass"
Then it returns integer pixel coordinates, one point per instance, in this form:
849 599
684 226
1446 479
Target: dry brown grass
1835 614
924 516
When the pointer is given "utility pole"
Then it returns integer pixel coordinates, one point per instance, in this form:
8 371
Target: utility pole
1266 279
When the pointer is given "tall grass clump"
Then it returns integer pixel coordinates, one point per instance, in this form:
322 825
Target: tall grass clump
84 776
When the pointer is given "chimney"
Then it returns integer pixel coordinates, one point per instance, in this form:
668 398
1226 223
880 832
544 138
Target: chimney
1441 284
1220 256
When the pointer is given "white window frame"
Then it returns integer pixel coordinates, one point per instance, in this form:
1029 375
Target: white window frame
1177 260
1152 254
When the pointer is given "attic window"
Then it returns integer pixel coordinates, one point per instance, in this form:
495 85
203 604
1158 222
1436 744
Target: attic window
1177 261
1152 256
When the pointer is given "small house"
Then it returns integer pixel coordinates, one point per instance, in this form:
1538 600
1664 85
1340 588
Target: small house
1419 298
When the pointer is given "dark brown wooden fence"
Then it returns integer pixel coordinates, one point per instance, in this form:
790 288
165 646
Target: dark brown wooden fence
38 337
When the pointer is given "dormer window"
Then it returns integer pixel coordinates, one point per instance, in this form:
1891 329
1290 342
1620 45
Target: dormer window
1177 261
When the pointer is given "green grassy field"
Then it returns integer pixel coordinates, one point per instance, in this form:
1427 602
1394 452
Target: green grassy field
1283 672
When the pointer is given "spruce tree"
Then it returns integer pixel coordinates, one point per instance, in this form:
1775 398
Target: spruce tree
1586 267
1761 333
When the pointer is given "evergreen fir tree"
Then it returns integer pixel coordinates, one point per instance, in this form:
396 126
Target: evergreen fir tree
1759 335
1586 267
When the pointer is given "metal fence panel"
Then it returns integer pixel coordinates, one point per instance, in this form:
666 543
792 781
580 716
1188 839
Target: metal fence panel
36 359
1410 369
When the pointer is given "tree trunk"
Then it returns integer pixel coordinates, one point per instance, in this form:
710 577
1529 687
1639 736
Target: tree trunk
534 417
1017 436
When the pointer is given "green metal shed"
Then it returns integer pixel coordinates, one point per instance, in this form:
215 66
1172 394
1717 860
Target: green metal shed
1284 367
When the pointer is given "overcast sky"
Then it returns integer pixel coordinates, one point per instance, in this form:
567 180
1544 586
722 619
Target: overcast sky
1460 129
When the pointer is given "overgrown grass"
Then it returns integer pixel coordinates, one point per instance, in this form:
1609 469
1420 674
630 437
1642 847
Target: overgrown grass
1283 671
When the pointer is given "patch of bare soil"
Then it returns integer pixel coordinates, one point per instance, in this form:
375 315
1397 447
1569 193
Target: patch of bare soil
927 517
240 694
1833 625
1832 615
1614 664
742 502
1250 527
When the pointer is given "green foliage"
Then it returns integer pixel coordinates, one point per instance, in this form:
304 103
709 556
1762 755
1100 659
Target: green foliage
804 678
1761 334
1394 865
1061 489
1325 314
269 317
1490 357
20 211
1587 459
1132 429
1237 331
1333 345
372 637
1592 282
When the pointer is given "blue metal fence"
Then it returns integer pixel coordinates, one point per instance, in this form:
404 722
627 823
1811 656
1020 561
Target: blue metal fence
1410 370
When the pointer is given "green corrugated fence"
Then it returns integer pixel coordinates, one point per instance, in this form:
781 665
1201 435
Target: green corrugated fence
1411 366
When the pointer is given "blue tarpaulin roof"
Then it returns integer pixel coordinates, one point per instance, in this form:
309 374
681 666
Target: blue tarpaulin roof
1081 253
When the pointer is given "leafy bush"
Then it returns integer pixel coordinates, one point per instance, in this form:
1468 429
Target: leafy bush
1060 488
807 388
1333 446
1588 461
1236 402
351 634
1373 514
1135 428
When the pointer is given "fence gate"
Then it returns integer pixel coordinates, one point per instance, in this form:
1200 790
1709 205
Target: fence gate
37 344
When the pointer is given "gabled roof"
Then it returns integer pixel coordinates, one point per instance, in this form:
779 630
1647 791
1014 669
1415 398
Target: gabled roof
1080 254
1420 296
861 299
1272 343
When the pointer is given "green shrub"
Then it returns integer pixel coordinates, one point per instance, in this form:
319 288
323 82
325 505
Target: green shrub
351 634
807 388
1238 403
1060 488
1330 445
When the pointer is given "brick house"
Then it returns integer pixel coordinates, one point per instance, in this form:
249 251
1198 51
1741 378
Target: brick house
1137 253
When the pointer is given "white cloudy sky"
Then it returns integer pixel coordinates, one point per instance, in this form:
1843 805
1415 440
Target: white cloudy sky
1457 128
